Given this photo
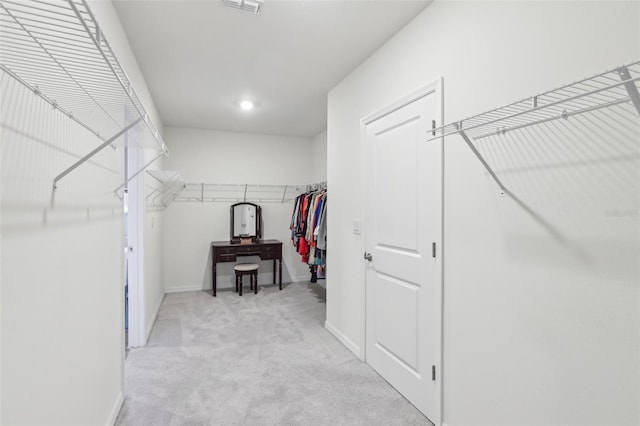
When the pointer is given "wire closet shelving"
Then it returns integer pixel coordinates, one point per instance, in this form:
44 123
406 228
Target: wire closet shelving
606 90
169 187
228 192
58 51
164 187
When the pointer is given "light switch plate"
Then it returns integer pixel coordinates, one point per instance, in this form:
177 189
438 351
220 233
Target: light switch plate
356 227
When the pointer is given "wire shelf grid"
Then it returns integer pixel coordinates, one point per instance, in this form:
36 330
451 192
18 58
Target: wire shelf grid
221 192
165 187
608 89
57 50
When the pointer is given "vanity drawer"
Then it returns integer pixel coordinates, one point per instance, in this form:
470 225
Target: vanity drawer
272 249
226 257
248 249
266 255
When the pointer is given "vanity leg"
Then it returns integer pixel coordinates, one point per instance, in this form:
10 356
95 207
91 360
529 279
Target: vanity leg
274 271
213 274
280 272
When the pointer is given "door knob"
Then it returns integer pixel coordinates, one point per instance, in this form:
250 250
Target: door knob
368 256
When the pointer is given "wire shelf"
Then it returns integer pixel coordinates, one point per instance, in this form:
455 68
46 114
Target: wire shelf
221 192
57 50
165 188
611 88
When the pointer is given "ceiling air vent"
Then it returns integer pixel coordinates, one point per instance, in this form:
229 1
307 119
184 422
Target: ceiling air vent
252 6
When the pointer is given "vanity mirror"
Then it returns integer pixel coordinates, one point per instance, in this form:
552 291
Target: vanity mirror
246 222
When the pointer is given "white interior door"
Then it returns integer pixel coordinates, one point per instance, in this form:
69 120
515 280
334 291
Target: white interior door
403 233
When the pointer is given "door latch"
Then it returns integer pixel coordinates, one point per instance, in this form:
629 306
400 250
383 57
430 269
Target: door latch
368 256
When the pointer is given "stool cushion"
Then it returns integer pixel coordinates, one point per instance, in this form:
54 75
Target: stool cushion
244 267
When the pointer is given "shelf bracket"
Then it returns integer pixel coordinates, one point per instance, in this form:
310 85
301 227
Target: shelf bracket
630 85
542 221
91 154
482 160
130 178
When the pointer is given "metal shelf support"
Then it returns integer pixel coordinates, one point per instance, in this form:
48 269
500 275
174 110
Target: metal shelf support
630 85
482 160
91 154
505 191
130 178
614 88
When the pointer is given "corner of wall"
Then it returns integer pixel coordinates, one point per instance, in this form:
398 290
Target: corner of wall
153 319
117 405
344 340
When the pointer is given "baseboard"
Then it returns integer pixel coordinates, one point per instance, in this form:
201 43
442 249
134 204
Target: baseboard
153 320
113 416
343 339
183 289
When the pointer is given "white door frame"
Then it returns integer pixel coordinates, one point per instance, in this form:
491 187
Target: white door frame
435 87
134 193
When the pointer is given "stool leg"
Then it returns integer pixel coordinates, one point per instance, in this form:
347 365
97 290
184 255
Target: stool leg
236 282
240 286
251 282
255 285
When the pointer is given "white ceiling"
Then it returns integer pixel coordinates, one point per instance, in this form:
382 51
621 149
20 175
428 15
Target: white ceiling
200 58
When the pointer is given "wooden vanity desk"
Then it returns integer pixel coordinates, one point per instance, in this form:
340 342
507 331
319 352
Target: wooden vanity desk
225 251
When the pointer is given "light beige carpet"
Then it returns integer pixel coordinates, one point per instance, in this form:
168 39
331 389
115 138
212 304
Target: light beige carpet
262 359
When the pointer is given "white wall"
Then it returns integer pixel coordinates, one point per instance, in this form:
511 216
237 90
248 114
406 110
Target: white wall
319 158
62 319
535 331
232 158
62 296
153 265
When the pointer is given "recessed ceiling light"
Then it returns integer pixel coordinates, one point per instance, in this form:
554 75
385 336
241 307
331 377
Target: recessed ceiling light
246 105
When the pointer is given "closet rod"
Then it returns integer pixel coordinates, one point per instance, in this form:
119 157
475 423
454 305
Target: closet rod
316 186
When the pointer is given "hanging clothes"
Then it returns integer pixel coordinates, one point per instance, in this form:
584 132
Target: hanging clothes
309 229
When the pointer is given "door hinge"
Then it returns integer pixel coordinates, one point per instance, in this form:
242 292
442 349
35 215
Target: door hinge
433 127
433 249
433 372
